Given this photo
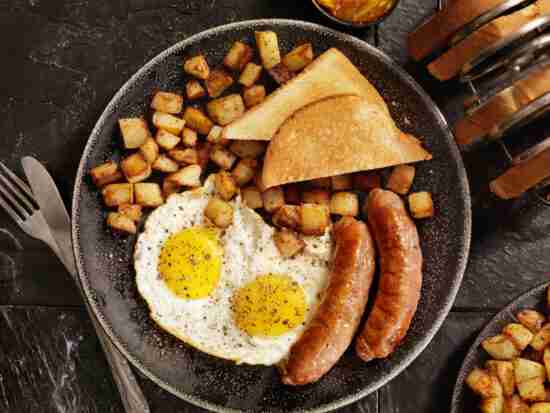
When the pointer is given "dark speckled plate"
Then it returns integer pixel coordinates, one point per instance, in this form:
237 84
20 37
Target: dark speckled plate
105 262
464 400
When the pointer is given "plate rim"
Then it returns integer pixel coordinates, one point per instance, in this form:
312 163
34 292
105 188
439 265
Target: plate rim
462 179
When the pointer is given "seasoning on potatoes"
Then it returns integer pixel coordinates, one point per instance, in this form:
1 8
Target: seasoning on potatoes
215 136
135 168
121 222
165 164
225 185
166 140
194 90
244 172
421 205
197 120
238 56
219 212
287 216
218 81
223 157
268 46
314 219
187 156
274 198
168 122
131 211
197 66
250 75
299 57
167 102
118 194
225 110
189 137
187 176
401 179
254 95
150 150
134 132
148 194
106 173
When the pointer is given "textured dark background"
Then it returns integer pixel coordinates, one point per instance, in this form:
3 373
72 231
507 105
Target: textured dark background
63 61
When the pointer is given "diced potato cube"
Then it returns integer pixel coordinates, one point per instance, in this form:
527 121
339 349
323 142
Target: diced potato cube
500 347
341 182
197 66
366 181
218 82
321 183
187 156
483 383
169 188
167 102
492 405
225 185
280 74
223 157
148 194
252 197
165 164
244 171
288 242
519 334
167 140
188 176
287 216
543 407
421 205
203 154
401 179
254 95
268 46
546 360
299 57
526 370
514 404
131 211
134 132
197 120
219 212
189 137
225 110
314 219
121 222
150 150
106 173
194 90
118 194
316 196
135 168
168 122
531 319
215 136
542 338
238 56
293 196
248 149
250 75
344 203
504 371
274 198
532 390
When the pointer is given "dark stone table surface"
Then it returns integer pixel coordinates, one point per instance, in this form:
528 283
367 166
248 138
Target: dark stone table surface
63 60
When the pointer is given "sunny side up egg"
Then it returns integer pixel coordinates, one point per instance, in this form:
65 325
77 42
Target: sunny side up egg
227 293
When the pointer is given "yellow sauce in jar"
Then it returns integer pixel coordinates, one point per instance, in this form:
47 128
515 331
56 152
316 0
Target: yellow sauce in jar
358 11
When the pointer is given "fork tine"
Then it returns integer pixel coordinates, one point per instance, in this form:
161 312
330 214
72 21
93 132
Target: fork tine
18 182
17 206
17 192
11 212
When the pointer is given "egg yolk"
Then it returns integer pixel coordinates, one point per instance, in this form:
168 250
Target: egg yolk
190 262
271 305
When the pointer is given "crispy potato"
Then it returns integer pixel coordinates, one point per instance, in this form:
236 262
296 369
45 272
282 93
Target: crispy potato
244 171
197 66
118 194
167 102
316 196
268 46
519 334
546 360
542 338
492 405
135 168
188 156
134 132
532 390
293 195
366 181
189 137
150 150
131 211
540 408
299 57
165 164
280 74
531 319
225 110
248 149
169 123
526 370
250 75
344 203
148 194
169 188
225 185
401 179
238 56
341 182
500 347
320 183
203 154
254 95
504 371
314 219
483 383
252 197
514 404
188 176
219 212
287 216
274 198
215 136
121 222
197 120
288 242
421 205
223 157
106 173
167 140
194 90
218 82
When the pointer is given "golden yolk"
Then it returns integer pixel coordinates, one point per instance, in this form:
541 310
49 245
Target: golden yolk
271 305
190 262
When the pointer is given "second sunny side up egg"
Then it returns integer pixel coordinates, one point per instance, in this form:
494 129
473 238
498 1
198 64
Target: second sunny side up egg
229 294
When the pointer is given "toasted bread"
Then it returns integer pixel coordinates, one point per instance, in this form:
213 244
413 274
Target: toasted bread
336 136
331 74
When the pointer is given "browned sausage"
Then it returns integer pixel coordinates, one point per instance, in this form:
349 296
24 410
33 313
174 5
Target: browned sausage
332 329
400 276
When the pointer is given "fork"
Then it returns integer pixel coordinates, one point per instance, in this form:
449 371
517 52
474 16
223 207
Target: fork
17 200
